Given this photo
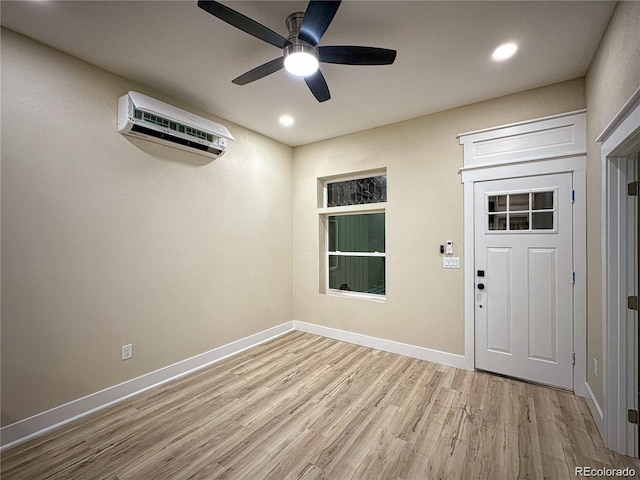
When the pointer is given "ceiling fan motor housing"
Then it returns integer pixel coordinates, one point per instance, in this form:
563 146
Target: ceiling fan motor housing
294 21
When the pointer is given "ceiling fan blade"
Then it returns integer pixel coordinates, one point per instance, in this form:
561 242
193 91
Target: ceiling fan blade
318 86
316 20
260 72
243 22
347 55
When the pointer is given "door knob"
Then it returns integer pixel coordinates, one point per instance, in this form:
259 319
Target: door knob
481 286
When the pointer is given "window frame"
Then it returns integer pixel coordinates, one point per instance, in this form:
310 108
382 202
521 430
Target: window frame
325 213
329 222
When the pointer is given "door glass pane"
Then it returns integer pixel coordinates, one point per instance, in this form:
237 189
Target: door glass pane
542 220
357 233
519 201
519 221
498 222
358 274
498 203
542 200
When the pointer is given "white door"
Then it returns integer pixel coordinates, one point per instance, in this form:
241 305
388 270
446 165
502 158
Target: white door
524 278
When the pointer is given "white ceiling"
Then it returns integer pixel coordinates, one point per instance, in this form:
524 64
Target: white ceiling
443 60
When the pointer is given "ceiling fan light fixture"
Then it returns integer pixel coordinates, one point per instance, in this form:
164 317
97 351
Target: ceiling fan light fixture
301 60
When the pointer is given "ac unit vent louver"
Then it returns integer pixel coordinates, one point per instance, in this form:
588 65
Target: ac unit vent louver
173 139
175 126
145 117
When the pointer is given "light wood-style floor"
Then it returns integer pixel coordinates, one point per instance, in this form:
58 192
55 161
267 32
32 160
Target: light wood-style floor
307 407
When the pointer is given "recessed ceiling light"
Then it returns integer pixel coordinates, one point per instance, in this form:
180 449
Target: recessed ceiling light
286 120
504 52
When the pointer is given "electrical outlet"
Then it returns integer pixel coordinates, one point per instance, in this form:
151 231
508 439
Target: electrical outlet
595 367
127 351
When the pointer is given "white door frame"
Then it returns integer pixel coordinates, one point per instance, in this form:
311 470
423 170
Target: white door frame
619 139
555 144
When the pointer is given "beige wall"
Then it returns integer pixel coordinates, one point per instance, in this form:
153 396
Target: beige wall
613 77
425 302
108 240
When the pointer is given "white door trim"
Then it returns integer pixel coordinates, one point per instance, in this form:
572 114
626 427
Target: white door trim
554 144
620 138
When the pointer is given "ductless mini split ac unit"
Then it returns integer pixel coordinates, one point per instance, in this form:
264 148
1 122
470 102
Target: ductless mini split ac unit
145 117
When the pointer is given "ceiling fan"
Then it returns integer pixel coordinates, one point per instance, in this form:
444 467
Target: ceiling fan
301 52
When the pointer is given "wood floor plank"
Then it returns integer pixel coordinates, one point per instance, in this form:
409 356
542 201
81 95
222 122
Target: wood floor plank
305 407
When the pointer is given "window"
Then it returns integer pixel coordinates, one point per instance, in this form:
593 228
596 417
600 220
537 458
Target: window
532 211
358 191
353 218
356 259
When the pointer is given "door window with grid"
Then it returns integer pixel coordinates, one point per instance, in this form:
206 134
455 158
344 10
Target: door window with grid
532 211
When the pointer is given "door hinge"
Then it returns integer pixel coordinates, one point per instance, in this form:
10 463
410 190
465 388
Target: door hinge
632 303
573 358
632 189
573 196
573 277
632 416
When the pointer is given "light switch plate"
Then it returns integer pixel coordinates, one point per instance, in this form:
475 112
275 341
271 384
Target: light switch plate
451 262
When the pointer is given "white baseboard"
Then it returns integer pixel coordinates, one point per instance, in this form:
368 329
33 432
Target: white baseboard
594 407
422 353
41 423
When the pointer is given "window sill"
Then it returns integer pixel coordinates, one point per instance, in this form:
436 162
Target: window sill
368 208
357 295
